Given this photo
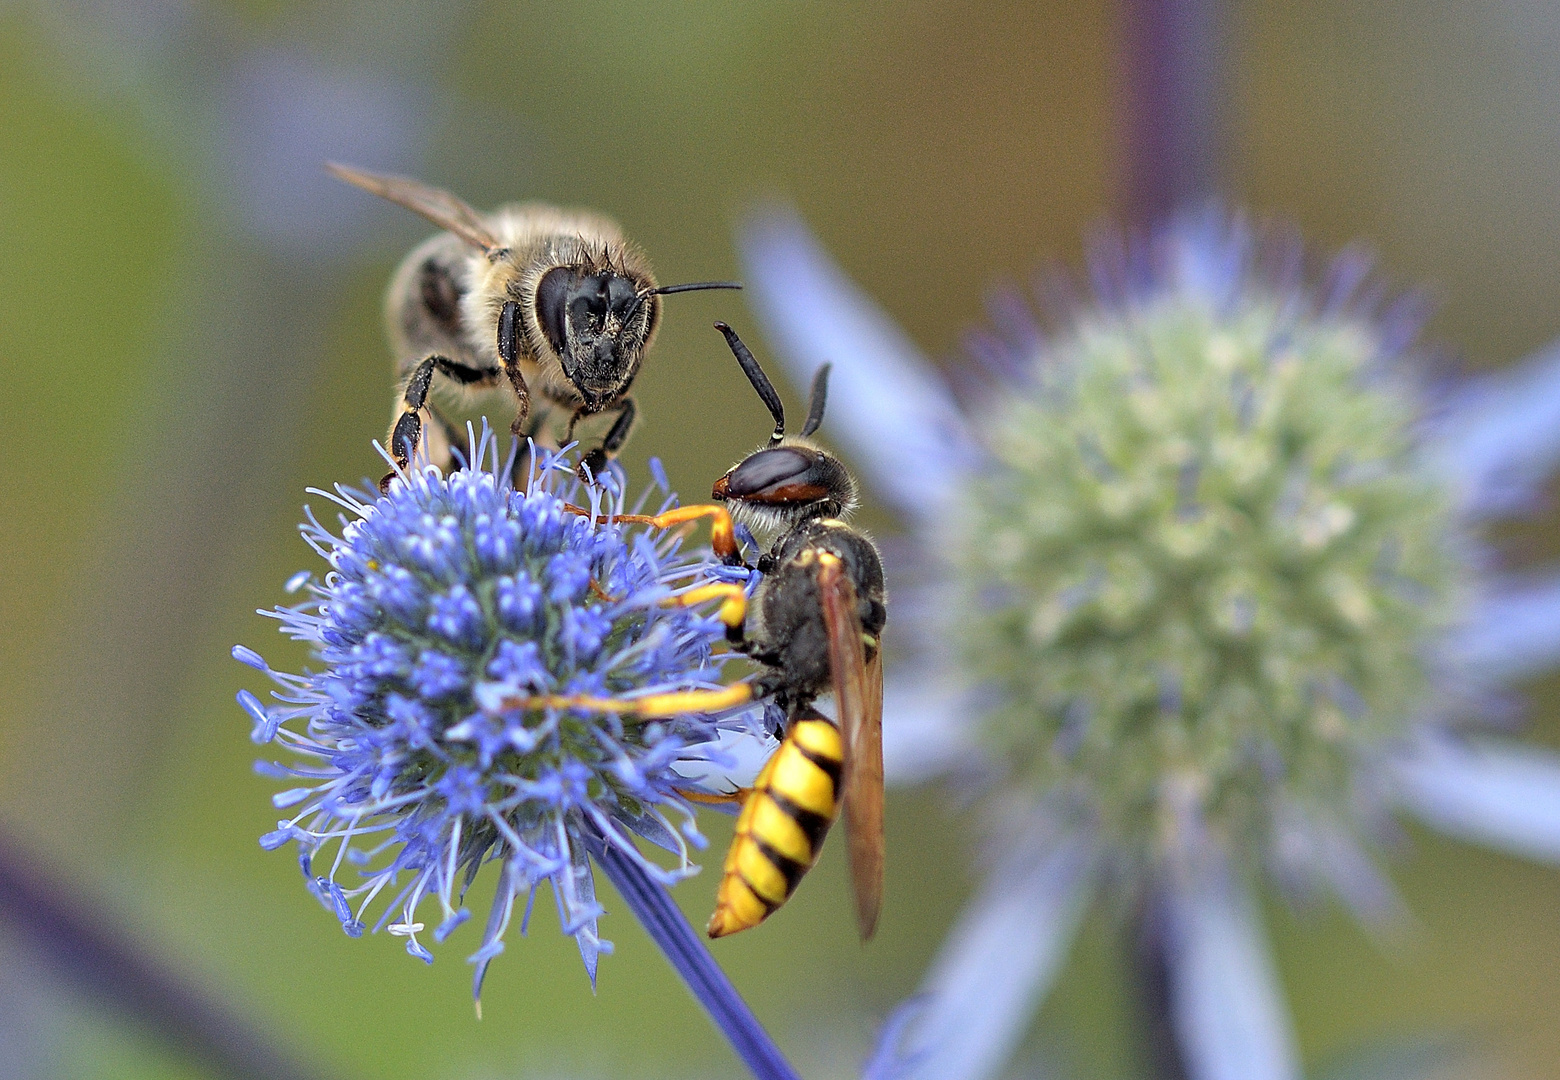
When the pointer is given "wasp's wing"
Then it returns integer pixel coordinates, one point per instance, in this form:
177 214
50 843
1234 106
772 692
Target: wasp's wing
858 696
439 207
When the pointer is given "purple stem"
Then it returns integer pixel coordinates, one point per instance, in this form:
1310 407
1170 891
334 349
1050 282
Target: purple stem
1174 93
1152 978
82 946
653 906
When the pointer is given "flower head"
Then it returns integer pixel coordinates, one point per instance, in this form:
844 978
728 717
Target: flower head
1201 599
447 601
1205 568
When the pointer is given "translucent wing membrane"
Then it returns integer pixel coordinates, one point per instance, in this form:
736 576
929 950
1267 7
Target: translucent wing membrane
439 207
860 704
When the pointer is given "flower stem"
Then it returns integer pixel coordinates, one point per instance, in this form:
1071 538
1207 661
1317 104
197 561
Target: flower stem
1173 89
653 906
87 951
1151 984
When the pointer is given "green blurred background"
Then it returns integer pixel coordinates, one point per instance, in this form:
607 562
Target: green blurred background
189 336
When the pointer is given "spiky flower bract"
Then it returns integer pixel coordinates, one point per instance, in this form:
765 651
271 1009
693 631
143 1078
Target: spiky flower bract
1200 600
446 600
1205 553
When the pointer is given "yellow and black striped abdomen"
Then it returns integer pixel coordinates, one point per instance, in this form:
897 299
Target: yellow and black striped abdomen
782 825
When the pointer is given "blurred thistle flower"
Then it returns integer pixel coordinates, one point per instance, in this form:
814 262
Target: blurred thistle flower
447 600
1201 598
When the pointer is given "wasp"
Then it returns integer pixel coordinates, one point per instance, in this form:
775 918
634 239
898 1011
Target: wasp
814 625
532 297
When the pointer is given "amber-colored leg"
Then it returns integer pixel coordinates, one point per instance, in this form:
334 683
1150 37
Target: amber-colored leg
707 799
733 608
733 601
650 707
723 535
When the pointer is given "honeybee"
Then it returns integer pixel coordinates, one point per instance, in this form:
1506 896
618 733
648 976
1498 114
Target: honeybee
814 624
555 302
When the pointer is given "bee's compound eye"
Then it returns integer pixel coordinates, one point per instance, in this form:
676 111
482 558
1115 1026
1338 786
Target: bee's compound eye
784 474
552 300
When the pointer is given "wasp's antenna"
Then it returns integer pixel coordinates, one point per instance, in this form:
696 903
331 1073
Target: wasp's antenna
692 286
760 381
820 398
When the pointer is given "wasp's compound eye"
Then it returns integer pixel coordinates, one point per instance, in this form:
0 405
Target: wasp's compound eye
785 474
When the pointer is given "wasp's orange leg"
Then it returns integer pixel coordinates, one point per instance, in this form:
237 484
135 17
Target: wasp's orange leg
649 707
723 534
706 798
733 601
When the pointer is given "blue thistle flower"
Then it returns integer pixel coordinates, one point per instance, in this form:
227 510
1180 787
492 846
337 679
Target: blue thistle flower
1201 600
446 600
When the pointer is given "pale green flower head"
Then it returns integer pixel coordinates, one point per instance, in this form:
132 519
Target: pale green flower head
1205 565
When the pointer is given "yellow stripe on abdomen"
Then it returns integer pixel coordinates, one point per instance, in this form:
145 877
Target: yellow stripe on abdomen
782 825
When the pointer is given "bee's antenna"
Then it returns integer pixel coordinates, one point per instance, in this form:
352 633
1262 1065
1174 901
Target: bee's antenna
692 286
820 397
696 286
760 381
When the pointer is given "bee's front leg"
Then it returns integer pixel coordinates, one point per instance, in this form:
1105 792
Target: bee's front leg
509 337
593 463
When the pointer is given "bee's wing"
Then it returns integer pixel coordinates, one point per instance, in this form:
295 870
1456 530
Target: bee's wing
858 695
438 206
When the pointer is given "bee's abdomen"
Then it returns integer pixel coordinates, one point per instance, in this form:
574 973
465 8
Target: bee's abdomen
782 825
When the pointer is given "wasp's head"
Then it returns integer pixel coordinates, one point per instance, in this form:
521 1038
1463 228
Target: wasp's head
599 323
791 480
782 486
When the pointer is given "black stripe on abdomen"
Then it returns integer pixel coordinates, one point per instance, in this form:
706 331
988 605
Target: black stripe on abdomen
830 766
788 866
814 826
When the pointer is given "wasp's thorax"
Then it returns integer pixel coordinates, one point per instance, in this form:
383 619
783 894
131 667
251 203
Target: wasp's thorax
782 486
599 323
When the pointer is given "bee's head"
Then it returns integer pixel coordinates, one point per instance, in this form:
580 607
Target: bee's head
599 323
791 480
